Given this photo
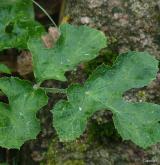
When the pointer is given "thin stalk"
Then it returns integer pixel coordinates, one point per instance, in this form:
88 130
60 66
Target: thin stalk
45 12
37 86
54 90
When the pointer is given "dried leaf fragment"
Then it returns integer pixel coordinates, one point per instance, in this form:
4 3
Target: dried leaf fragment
51 38
24 63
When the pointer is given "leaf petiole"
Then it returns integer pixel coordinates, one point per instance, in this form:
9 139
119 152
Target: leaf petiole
54 90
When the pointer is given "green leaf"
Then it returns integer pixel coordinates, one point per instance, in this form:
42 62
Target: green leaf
3 163
4 69
75 45
139 122
8 2
18 122
17 24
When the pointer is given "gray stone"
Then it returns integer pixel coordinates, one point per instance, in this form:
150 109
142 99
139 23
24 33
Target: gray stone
133 23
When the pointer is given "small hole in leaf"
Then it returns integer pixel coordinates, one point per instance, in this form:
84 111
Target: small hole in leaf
9 27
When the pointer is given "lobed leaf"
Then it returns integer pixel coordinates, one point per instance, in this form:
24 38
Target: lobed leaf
139 122
75 45
17 24
18 122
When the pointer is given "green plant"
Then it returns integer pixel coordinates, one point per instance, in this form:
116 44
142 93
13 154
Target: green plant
138 122
4 69
17 24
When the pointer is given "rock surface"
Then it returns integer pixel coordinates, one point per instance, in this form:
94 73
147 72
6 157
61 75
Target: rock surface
130 24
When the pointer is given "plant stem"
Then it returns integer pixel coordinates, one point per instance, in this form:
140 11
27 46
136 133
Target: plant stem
45 13
54 90
36 86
